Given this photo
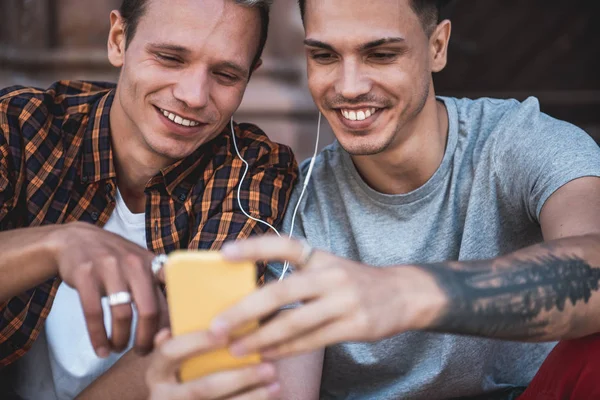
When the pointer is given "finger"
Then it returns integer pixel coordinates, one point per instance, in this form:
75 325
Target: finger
170 354
162 336
90 295
271 248
264 302
230 383
336 332
143 290
290 324
121 315
163 307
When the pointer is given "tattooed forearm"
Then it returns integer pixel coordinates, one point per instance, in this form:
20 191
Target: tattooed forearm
519 300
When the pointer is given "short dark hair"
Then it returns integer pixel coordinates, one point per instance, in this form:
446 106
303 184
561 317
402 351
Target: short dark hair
428 11
132 10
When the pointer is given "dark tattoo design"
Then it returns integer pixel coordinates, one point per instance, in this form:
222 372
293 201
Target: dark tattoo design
506 301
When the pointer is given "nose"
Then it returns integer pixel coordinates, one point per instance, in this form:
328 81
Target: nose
193 88
352 81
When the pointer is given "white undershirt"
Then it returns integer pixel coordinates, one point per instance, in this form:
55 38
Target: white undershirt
62 362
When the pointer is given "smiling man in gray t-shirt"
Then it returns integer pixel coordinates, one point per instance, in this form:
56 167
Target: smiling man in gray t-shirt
503 160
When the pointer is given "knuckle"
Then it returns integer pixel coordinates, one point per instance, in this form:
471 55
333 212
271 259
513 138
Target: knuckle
109 260
86 270
133 261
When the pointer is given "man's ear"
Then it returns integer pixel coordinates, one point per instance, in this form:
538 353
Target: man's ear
438 43
116 40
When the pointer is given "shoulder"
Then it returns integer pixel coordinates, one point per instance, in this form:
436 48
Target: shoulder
508 125
479 117
28 106
525 128
509 116
255 146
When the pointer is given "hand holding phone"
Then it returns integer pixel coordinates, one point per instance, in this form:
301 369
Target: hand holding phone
200 285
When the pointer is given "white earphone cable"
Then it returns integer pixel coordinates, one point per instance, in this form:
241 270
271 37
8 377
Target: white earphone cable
246 168
286 265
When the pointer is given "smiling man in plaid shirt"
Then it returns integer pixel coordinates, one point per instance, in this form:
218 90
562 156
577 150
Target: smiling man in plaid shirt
95 179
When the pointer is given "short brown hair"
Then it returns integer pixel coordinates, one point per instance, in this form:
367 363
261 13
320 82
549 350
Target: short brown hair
427 10
132 10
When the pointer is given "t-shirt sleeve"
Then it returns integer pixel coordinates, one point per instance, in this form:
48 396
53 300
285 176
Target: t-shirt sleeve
535 155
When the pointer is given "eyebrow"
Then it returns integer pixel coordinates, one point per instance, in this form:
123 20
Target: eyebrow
366 46
319 44
169 47
236 67
185 51
379 42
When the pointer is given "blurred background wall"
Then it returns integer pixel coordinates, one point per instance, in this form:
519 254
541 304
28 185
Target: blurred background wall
500 48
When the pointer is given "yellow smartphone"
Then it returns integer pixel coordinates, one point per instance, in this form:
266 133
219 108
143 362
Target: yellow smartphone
200 285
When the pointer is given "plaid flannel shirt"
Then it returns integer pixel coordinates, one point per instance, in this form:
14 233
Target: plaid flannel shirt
56 166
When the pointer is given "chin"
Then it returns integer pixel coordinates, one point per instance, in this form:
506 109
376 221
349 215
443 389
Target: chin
363 144
363 149
170 149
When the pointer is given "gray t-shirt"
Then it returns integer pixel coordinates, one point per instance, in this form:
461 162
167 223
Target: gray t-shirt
502 161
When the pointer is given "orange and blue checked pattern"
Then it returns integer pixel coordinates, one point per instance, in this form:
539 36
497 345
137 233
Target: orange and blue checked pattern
56 166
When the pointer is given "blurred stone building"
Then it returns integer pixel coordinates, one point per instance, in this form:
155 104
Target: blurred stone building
500 48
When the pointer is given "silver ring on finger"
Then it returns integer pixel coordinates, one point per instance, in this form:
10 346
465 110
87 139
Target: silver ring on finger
119 298
158 262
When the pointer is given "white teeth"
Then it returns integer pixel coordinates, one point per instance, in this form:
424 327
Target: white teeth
179 120
360 115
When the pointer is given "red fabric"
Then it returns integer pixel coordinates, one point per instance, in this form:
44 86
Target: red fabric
571 372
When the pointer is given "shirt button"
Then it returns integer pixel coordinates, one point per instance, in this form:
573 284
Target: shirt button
84 179
182 197
95 216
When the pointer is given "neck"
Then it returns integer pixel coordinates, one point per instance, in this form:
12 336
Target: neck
135 163
412 160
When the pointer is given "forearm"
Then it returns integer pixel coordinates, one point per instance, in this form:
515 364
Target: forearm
125 380
27 259
542 293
